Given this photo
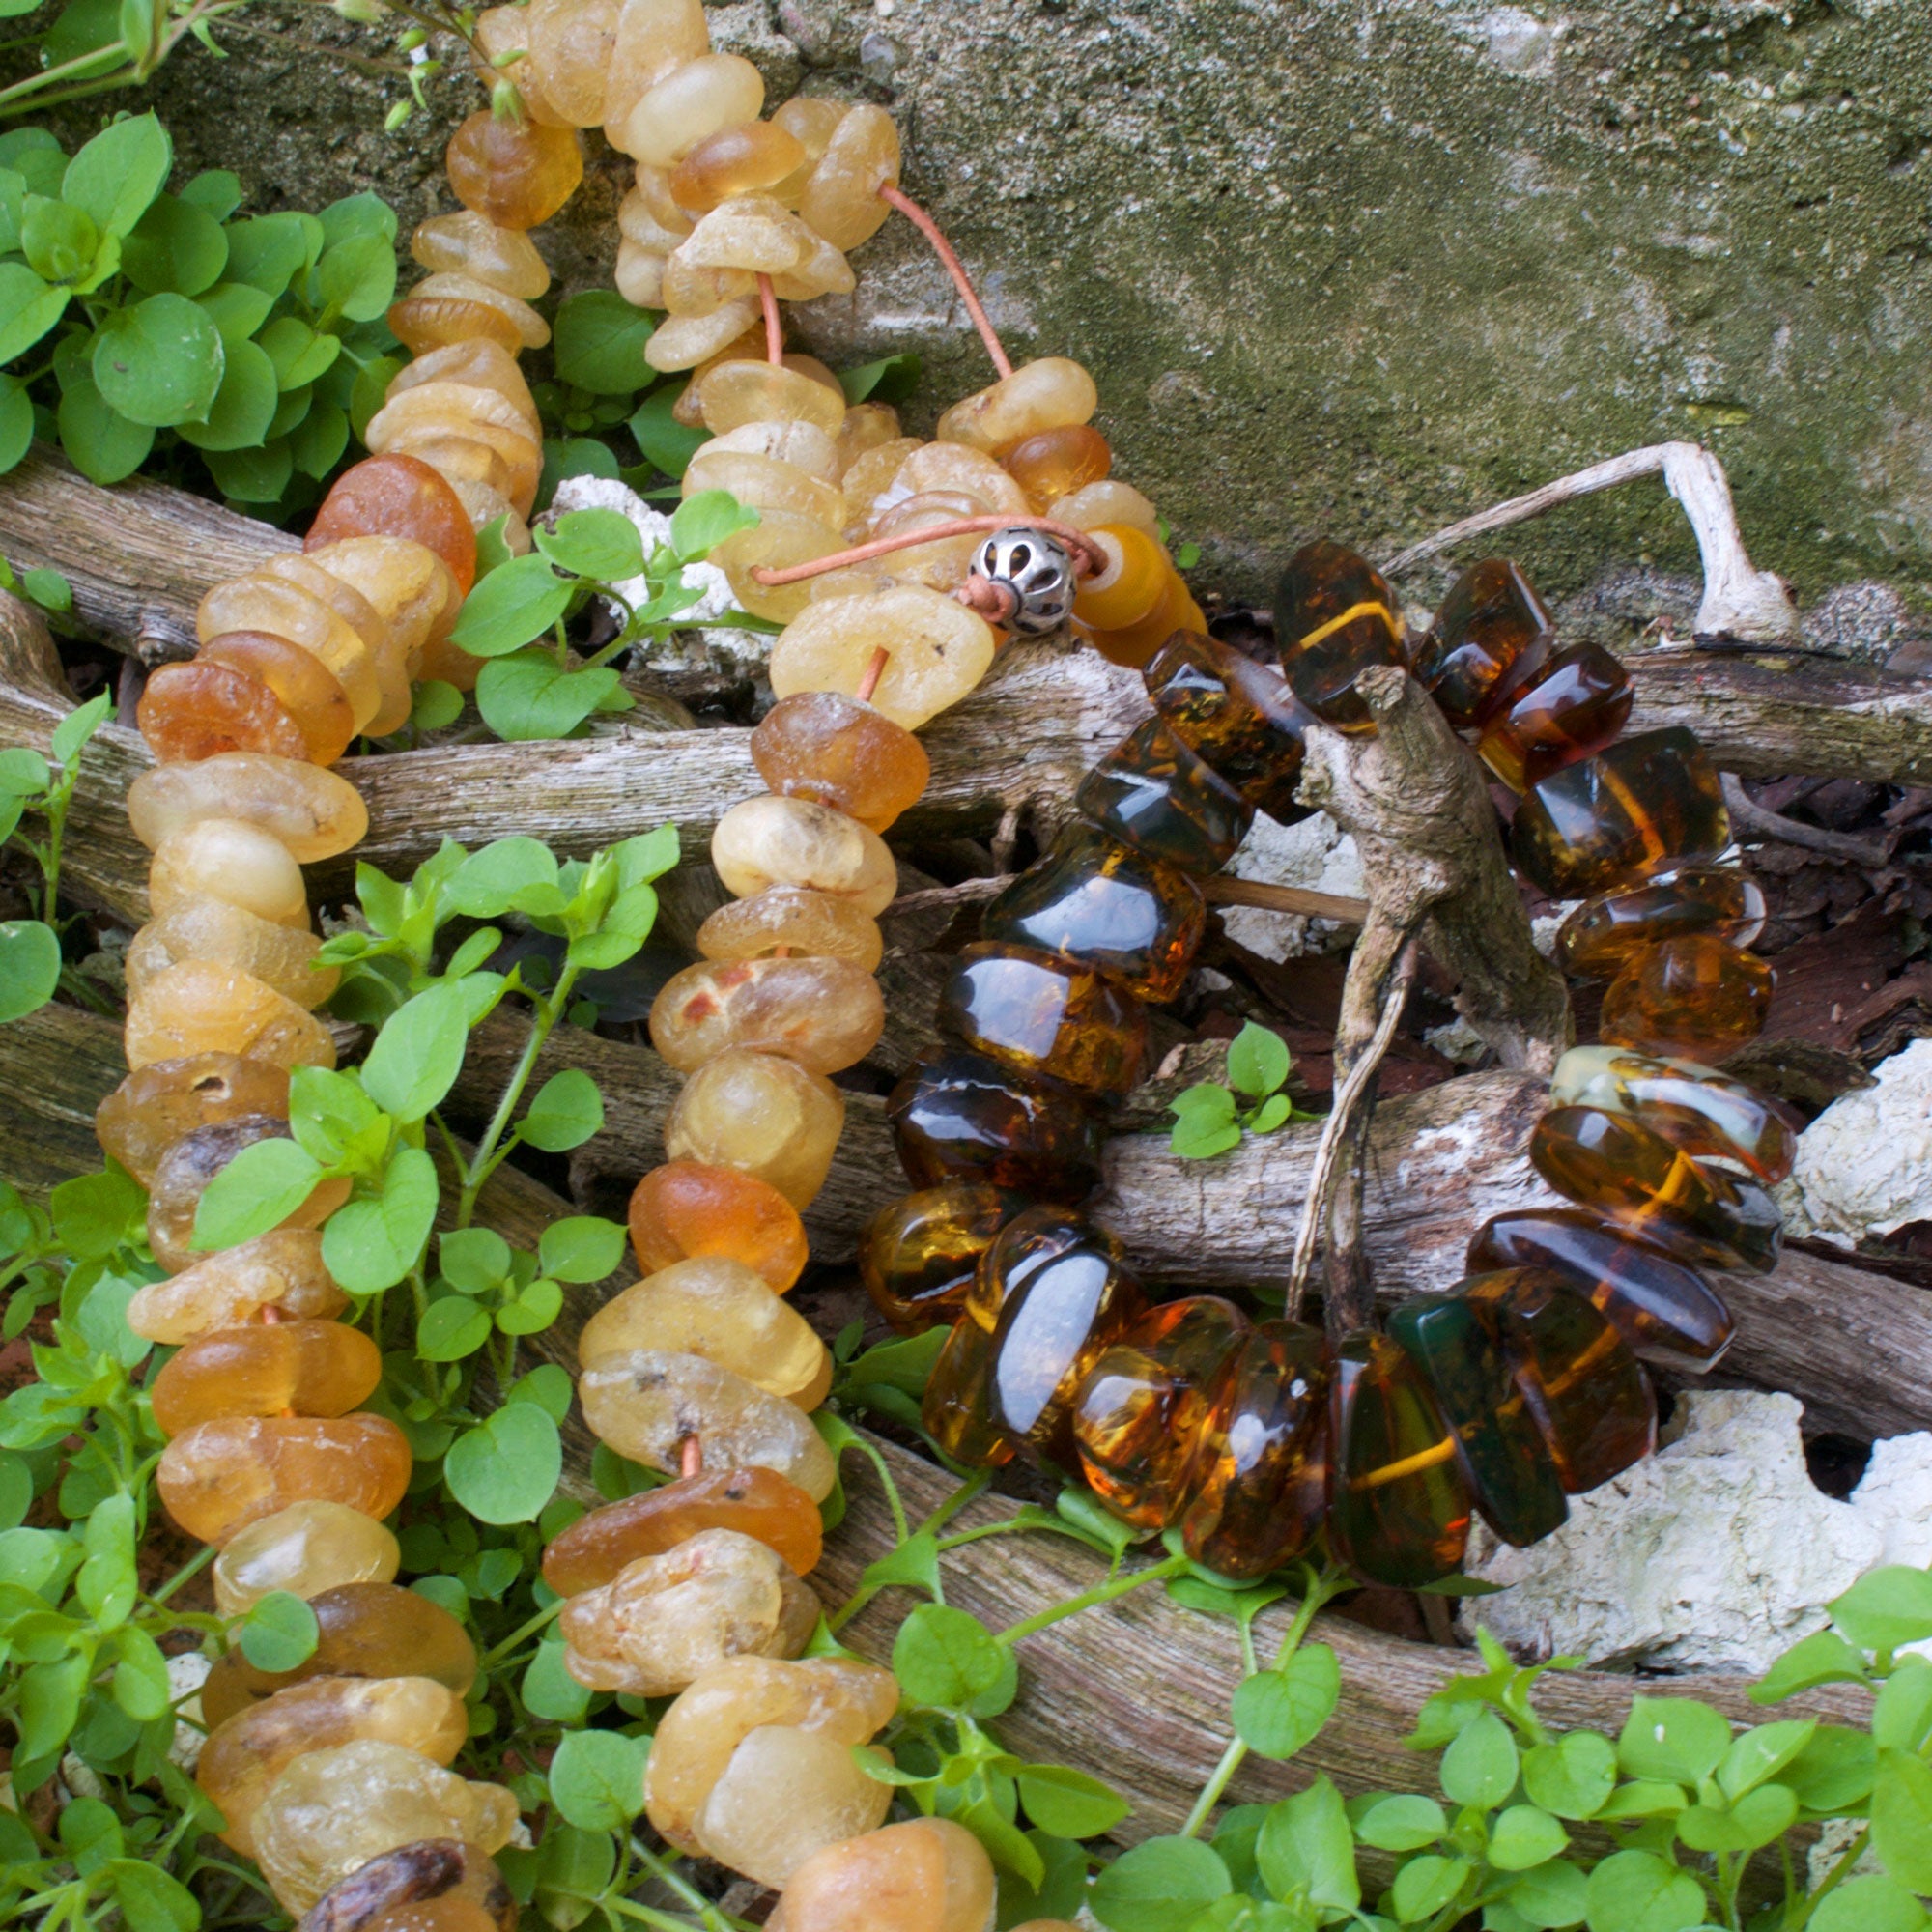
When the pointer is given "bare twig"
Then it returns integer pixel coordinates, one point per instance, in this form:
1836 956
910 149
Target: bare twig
1748 816
1225 889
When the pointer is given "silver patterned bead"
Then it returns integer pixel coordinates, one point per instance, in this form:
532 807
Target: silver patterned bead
1036 570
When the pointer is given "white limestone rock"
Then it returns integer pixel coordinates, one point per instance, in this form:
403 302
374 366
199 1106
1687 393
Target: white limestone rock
1864 1165
1315 854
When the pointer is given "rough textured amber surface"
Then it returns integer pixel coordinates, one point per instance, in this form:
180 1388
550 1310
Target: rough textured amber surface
1153 793
824 1014
926 1875
1614 818
219 1477
780 540
1142 1406
1693 1107
732 394
307 690
399 495
1334 618
1234 714
269 602
755 1503
466 244
840 198
314 814
1258 1481
195 710
1575 708
1094 901
198 1006
281 1270
809 922
299 1368
824 746
517 176
227 859
686 1209
154 1107
188 1168
917 1257
1601 937
762 1115
770 842
1655 1191
435 1884
1045 1016
1696 996
956 1408
961 1115
786 1793
304 1550
230 935
1397 1507
1492 629
1057 462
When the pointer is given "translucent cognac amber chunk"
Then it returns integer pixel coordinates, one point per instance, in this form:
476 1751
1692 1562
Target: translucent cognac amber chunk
824 746
1235 714
1045 1016
304 1550
1695 996
1153 793
686 1209
1591 1402
1258 1482
961 1115
1094 901
219 1477
1141 1408
1397 1507
1656 1191
755 1503
762 1115
956 1407
918 1257
1491 632
278 1368
824 1014
282 1270
189 1169
809 922
307 690
1457 1343
1054 463
1613 819
195 710
154 1106
516 176
1602 936
1334 618
1573 710
396 496
1693 1107
926 1875
435 1884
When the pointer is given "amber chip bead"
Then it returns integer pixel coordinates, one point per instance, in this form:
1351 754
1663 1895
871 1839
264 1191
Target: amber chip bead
1602 936
809 923
1695 996
838 751
435 1884
763 1114
397 496
282 1270
964 1116
1094 901
687 1208
515 175
195 710
278 1368
219 1477
1045 1016
309 692
1693 1107
154 1106
918 1255
1335 617
304 1550
1054 463
1153 793
1611 820
1577 705
956 1407
1490 635
1236 715
198 1006
1140 1408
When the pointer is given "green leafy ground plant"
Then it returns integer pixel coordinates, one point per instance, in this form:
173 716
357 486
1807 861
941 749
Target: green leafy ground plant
1211 1116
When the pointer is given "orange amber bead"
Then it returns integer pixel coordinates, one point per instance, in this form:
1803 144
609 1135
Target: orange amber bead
220 1476
154 1107
809 922
1123 594
837 751
1693 1107
309 692
918 1257
1602 935
1575 707
1133 645
197 710
1694 996
1057 462
1045 1015
1492 633
516 176
398 495
424 324
1335 617
278 1368
956 1407
435 1885
687 1208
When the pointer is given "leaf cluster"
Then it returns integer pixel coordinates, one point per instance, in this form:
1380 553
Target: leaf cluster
1211 1118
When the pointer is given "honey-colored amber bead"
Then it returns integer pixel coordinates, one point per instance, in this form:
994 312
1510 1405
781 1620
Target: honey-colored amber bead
812 121
1045 1016
792 841
466 244
761 1114
516 176
655 38
683 342
198 1006
187 1170
1335 617
1397 1507
755 1503
196 710
1098 902
868 481
477 363
752 234
690 102
282 1270
685 1210
1258 1481
1571 710
963 1116
1140 1408
1655 1191
1153 793
1693 1106
304 1550
414 592
1591 1402
840 197
280 1368
154 1107
809 923
952 468
422 324
312 812
786 1793
1611 820
926 1875
1492 633
1134 645
1098 505
824 746
1666 1312
918 1255
1603 935
1456 1341
306 689
503 32
780 540
399 495
824 1014
265 601
229 936
1057 462
1136 574
571 43
1695 996
733 395
228 859
754 157
1236 715
219 1477
956 1405
435 1884
1053 392
463 434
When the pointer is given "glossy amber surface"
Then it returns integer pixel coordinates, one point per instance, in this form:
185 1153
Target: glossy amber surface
917 1257
837 751
1095 901
1334 618
964 1116
1573 710
304 1550
195 710
1696 996
282 1270
685 1209
1055 463
1236 715
1611 820
1693 1107
809 922
1153 793
762 1115
420 1888
1491 631
154 1106
956 1407
1602 936
278 1368
396 496
186 1172
307 690
219 1477
1045 1016
516 176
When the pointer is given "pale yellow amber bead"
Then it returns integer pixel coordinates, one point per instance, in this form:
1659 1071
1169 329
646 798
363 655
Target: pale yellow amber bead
227 935
282 1270
228 859
348 604
692 294
1105 502
477 364
639 274
470 243
926 1875
797 841
810 924
764 482
778 541
762 1115
824 272
197 1007
704 97
284 609
865 426
724 1311
937 650
951 465
417 595
311 811
752 232
1046 394
639 218
655 38
867 480
754 157
571 43
803 445
449 285
652 187
811 120
736 394
502 30
842 196
304 1550
683 342
456 408
786 1794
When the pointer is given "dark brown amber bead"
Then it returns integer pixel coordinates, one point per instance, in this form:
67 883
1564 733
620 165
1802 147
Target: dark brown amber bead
956 1409
1139 1414
1694 996
1592 1404
1045 1016
1613 819
1491 632
435 1884
1026 1244
1098 902
1601 937
917 1258
1259 1479
1667 1312
1693 1107
1457 1343
1398 1506
963 1116
1237 715
1572 711
1153 793
1656 1191
1334 618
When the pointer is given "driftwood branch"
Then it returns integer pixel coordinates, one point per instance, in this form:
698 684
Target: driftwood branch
1748 816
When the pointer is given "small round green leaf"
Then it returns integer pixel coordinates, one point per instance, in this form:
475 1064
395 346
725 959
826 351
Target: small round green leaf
597 1779
451 1329
1277 1712
244 407
279 1633
1479 1767
159 363
599 344
1159 1885
567 1110
30 963
175 245
505 1469
1525 1835
101 443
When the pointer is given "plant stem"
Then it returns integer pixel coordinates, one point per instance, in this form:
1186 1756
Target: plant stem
544 1017
667 1874
522 1630
180 1575
1088 1600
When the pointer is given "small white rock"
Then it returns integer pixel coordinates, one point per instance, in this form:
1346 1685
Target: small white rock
187 1674
1315 854
1864 1165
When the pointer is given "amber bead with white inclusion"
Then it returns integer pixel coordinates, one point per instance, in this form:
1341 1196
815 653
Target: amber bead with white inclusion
840 752
792 841
1045 1016
516 176
1153 793
732 394
926 1875
1057 462
686 1209
1238 716
1335 617
228 935
1574 707
187 1170
825 1014
304 1550
840 197
282 1270
786 1793
312 813
435 1884
918 1255
964 1116
763 1114
219 1477
228 859
1601 937
1490 635
1141 1408
308 691
955 1407
1693 1106
808 922
398 495
198 1006
154 1107
194 710
278 1368
1695 996
1053 392
755 1502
